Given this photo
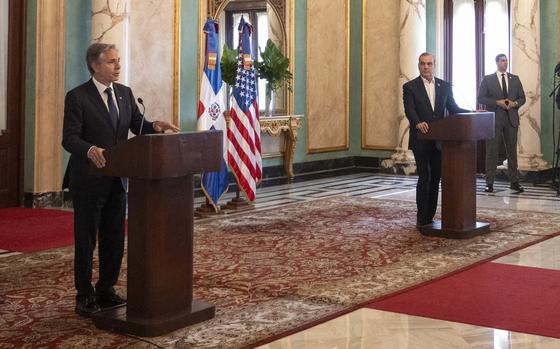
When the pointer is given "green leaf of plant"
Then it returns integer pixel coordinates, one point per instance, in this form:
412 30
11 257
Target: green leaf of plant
228 65
274 67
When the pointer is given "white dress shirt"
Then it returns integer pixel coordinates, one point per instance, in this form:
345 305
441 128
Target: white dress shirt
431 90
101 89
499 74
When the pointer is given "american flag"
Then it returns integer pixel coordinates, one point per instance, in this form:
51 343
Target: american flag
244 147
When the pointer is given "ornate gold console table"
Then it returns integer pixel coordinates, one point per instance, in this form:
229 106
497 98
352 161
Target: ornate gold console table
286 126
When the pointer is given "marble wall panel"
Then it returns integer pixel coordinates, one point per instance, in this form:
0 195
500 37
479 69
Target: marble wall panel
152 65
525 62
412 44
327 75
110 24
49 95
380 74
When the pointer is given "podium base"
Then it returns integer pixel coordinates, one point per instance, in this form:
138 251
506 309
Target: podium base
205 211
115 319
436 229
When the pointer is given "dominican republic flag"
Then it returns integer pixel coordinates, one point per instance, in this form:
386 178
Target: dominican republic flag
244 146
211 112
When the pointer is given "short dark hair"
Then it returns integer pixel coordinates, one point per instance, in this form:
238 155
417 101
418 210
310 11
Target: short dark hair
500 55
424 54
94 52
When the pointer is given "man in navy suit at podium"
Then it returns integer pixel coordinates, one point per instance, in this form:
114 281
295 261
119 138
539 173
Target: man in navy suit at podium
426 99
98 114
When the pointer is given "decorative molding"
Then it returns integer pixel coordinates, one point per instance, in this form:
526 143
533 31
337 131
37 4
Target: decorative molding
291 53
284 10
215 7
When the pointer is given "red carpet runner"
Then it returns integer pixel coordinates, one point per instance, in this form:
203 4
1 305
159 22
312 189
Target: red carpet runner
515 298
31 230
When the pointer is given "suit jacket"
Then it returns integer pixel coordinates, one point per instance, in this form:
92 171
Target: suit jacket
490 91
417 106
87 122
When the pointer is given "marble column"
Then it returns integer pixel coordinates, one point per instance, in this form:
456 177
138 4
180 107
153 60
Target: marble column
109 24
412 44
525 62
47 95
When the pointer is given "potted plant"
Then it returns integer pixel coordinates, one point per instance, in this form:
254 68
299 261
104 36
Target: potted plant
274 68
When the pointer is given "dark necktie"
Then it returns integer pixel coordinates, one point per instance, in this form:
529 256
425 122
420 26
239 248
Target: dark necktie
112 108
504 87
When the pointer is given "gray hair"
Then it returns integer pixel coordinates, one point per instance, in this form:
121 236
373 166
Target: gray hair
94 53
424 54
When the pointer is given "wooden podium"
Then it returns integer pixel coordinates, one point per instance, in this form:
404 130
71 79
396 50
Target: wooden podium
160 169
458 135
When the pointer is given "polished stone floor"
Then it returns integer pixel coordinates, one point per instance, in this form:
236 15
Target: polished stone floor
369 328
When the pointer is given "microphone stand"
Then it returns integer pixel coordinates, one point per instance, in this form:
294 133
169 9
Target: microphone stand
143 113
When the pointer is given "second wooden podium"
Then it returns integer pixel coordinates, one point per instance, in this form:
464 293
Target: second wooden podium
458 135
160 168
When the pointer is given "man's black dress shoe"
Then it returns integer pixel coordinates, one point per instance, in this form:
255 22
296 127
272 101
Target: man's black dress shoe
517 187
107 300
489 188
85 306
420 225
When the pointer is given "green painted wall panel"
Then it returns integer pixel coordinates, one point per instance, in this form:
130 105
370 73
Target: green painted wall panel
190 33
77 37
431 26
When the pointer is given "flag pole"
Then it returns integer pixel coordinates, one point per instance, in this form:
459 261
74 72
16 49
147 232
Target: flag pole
238 203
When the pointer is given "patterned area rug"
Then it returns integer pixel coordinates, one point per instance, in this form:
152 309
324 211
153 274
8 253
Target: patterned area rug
267 272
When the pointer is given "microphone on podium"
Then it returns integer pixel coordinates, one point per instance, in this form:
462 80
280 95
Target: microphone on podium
143 112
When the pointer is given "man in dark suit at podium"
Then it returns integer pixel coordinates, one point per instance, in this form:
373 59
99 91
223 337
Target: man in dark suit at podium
98 114
502 93
426 99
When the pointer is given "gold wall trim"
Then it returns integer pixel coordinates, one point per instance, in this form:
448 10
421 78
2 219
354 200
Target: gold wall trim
177 64
49 96
291 36
215 8
284 9
345 146
378 147
202 14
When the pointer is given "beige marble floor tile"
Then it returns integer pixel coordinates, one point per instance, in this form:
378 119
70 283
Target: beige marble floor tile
545 254
369 328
